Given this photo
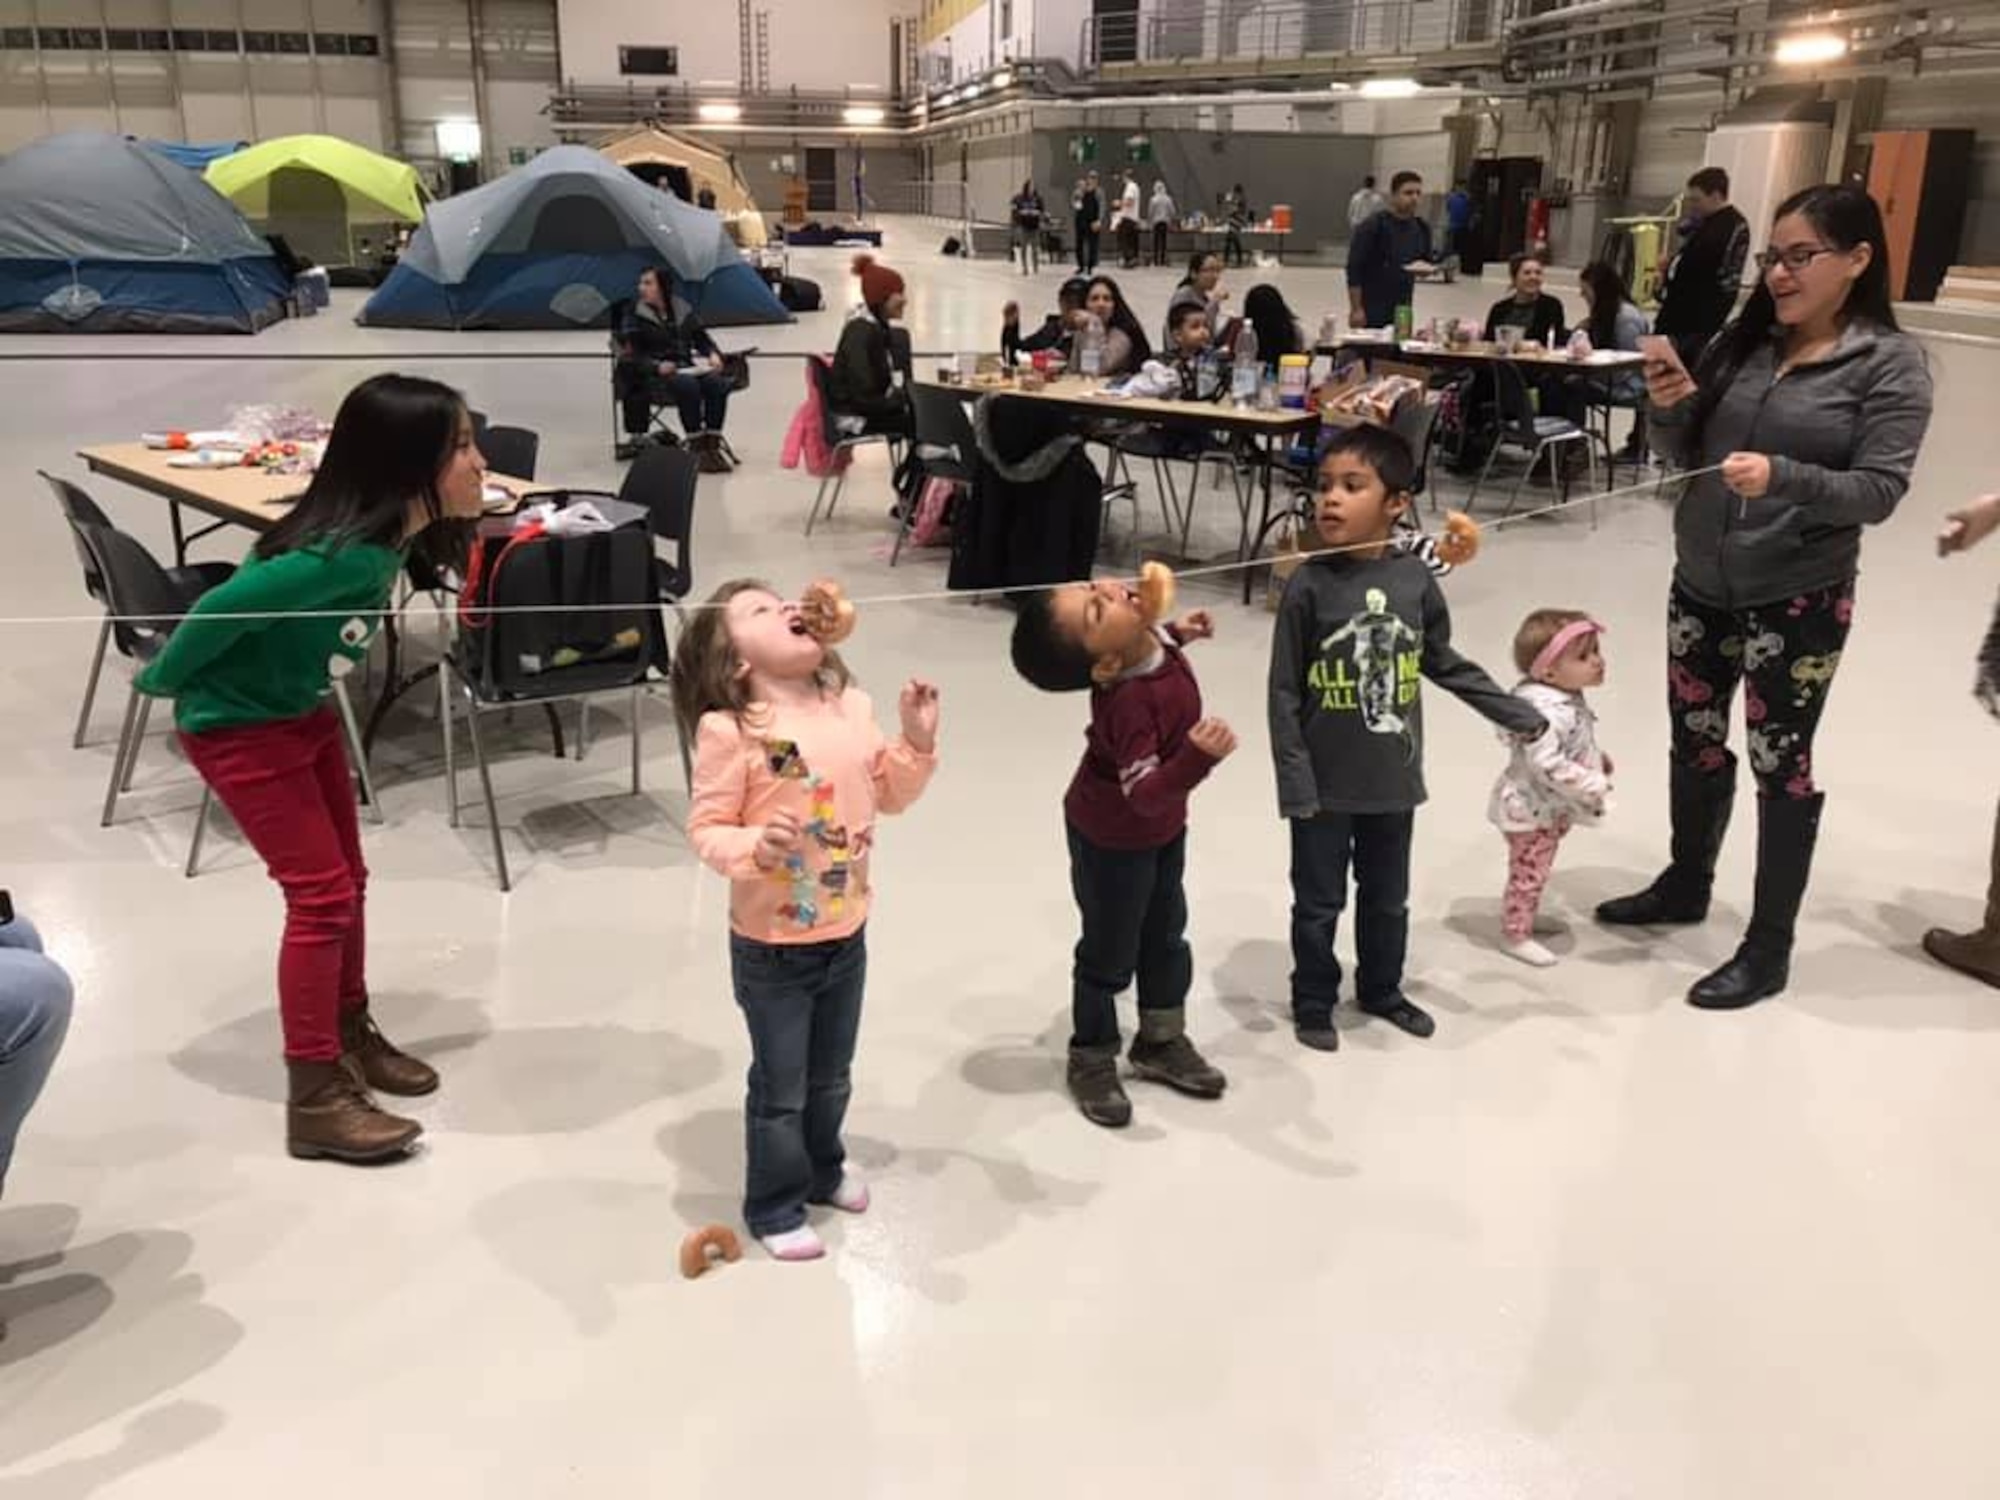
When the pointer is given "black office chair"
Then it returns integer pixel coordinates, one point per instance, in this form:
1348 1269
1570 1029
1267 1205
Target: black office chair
519 654
945 449
189 584
511 450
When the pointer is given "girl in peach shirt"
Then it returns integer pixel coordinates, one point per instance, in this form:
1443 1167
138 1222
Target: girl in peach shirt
790 771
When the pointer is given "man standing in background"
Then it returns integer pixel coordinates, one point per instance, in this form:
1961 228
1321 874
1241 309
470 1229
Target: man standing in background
1706 276
1385 254
1160 212
1457 218
1364 205
1089 208
1127 222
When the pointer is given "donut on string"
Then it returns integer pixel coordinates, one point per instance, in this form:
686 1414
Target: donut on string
696 1248
1460 542
1156 591
827 611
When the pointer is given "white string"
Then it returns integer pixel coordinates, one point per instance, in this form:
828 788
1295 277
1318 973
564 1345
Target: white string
924 596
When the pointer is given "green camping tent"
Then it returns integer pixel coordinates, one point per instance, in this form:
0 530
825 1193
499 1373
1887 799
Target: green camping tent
316 189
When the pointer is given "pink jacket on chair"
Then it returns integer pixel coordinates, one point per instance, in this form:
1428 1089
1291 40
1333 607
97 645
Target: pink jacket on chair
806 437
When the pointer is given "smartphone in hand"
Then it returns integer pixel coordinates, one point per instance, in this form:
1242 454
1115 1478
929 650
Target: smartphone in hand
1661 355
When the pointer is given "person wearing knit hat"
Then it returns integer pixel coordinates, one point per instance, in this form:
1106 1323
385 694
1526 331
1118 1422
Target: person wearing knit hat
868 360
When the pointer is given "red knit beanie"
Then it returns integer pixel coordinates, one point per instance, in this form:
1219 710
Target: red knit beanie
878 282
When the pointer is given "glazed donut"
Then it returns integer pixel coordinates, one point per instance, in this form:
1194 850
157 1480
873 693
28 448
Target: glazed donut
695 1248
1156 591
828 612
1460 542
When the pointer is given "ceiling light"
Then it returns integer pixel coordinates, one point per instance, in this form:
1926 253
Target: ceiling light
1805 47
458 140
1391 88
864 114
720 114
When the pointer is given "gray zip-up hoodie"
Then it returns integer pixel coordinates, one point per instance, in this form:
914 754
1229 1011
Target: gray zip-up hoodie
1842 435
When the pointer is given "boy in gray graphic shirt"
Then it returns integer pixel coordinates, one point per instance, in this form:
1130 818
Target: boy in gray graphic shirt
1357 633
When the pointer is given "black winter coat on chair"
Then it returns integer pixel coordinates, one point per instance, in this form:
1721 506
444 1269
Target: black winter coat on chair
1036 504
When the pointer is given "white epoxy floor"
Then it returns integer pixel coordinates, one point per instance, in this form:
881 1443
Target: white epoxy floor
1585 1243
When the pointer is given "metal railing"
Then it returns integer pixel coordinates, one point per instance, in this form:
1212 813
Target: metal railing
1233 31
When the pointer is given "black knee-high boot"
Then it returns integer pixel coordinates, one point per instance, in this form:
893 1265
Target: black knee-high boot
1787 831
1699 803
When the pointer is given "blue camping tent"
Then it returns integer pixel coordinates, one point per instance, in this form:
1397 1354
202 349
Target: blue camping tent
194 158
554 244
101 235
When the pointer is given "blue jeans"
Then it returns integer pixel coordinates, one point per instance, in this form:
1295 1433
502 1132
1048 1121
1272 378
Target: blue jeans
802 1003
1376 847
34 1018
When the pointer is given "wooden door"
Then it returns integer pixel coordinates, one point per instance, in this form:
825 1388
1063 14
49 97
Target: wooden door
1896 183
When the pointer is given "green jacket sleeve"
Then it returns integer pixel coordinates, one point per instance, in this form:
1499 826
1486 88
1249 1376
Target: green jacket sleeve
220 618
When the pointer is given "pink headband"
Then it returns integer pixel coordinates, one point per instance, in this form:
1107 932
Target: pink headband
1560 642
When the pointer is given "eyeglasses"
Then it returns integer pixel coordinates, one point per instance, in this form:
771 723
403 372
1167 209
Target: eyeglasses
1795 260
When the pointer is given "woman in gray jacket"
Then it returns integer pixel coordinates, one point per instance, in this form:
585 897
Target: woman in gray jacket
1810 409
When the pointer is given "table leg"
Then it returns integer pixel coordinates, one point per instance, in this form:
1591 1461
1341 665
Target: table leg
180 536
1249 545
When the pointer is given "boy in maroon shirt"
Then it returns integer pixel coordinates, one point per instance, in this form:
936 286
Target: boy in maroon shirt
1147 747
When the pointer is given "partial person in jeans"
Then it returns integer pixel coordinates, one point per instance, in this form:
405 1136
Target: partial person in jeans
1801 425
35 997
665 358
1160 213
790 774
1359 629
1976 953
249 671
1147 748
1025 217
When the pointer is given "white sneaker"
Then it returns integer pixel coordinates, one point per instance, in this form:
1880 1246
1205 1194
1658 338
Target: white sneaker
794 1244
851 1197
1529 952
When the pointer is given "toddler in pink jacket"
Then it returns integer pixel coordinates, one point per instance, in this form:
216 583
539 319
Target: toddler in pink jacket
790 773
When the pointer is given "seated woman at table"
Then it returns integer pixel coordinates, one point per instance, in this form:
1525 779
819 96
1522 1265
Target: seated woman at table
664 358
1058 330
249 670
1538 315
1202 288
1125 344
867 394
1278 330
1615 323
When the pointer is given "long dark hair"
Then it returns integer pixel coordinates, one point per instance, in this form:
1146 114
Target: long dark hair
1608 295
1845 217
1277 329
1195 262
1122 319
665 277
391 439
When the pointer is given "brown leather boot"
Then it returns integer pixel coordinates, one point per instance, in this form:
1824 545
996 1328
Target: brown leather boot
1976 953
331 1114
383 1066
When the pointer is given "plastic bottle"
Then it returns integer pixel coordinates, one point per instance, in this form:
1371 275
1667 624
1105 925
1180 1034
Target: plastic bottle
1406 318
1243 379
1090 347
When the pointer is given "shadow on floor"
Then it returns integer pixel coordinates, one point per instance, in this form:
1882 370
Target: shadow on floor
94 1331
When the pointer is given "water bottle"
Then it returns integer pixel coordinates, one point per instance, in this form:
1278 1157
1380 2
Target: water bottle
1243 379
1090 347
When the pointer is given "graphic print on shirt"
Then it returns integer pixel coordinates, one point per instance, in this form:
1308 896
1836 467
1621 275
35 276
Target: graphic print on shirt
1373 666
827 832
355 635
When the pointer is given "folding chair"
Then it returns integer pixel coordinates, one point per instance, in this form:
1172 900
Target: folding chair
627 445
517 656
189 584
1525 432
1415 421
819 369
944 448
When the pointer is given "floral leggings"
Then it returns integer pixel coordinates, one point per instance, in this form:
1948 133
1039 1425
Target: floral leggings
1784 654
1531 857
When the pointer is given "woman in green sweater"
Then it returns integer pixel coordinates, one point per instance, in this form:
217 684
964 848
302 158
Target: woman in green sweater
249 670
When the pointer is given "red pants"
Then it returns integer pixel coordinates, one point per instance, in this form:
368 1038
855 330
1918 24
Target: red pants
287 786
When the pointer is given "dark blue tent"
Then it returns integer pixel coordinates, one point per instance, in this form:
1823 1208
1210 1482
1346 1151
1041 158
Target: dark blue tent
555 243
101 235
194 158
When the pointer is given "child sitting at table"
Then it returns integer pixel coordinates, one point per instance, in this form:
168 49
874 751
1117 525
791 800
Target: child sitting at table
1146 749
1358 629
